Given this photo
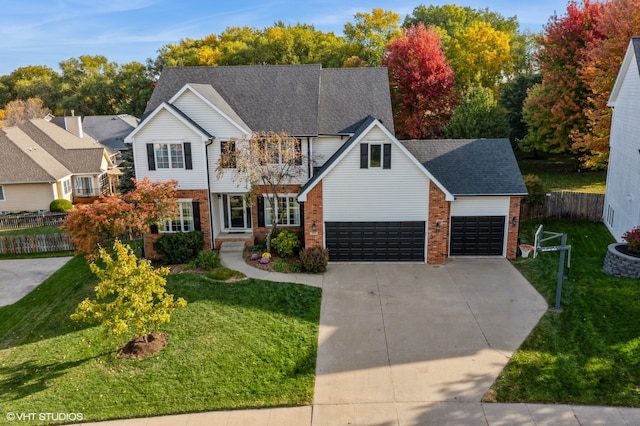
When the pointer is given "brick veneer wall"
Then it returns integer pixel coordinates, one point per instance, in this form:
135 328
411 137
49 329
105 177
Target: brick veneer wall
313 212
260 232
199 195
512 233
439 212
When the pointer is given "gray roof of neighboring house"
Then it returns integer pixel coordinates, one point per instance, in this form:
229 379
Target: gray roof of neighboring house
471 166
305 100
40 151
636 49
109 130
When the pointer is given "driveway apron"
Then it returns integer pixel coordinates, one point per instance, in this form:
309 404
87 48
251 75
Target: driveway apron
413 333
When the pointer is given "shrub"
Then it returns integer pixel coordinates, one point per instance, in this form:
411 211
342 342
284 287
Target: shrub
206 260
266 255
264 260
285 243
259 248
280 265
632 238
179 247
60 205
535 188
255 256
314 259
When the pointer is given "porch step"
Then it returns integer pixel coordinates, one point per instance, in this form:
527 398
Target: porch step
232 247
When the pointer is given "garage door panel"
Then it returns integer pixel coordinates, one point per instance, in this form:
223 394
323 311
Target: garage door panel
375 241
477 236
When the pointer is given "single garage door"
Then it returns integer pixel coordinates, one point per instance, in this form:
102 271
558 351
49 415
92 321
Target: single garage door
375 241
477 236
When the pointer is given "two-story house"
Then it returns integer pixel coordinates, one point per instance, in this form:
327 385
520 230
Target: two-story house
364 194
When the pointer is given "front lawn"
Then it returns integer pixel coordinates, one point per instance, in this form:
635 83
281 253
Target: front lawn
245 344
589 352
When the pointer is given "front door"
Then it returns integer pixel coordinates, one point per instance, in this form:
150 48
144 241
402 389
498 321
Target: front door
237 215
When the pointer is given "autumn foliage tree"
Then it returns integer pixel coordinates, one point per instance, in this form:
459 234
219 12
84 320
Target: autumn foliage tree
98 225
266 162
422 84
131 295
620 20
554 109
16 112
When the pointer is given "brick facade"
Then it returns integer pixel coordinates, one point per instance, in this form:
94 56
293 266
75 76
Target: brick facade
313 213
437 226
513 228
197 195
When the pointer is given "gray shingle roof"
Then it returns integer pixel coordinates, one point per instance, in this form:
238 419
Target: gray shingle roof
471 166
109 130
304 100
636 50
19 165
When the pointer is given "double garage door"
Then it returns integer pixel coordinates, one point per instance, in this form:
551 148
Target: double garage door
405 241
375 241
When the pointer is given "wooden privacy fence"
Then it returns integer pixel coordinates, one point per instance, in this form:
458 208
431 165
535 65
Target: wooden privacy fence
565 205
13 244
32 220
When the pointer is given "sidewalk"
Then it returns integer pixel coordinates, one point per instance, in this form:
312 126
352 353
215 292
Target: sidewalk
367 401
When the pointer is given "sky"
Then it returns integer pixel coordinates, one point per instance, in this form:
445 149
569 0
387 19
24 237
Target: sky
39 32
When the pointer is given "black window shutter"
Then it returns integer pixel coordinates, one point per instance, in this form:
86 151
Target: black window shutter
302 215
187 156
260 211
195 205
386 156
298 143
151 158
364 156
153 229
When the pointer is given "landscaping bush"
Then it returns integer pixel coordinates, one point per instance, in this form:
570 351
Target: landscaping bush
535 188
285 243
280 265
206 260
632 238
179 247
60 205
314 259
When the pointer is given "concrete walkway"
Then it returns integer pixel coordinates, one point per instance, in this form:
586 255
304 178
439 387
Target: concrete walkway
411 344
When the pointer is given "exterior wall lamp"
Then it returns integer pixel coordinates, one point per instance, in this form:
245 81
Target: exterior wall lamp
438 226
514 221
314 228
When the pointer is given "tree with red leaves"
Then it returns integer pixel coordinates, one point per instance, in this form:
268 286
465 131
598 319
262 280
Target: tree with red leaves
554 109
98 225
422 84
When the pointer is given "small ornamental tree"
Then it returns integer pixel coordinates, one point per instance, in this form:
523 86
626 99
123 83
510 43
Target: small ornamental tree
266 162
131 296
97 225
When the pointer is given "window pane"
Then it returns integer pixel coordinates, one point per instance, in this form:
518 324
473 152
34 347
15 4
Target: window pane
187 217
375 159
294 212
177 159
162 156
268 212
1 193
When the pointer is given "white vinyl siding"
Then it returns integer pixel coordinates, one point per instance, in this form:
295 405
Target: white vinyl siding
166 128
324 147
623 174
480 206
354 194
206 117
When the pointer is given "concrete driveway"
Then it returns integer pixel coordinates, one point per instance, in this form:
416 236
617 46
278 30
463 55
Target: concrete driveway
406 339
19 276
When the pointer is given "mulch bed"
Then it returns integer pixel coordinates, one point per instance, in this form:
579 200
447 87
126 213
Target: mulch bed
137 348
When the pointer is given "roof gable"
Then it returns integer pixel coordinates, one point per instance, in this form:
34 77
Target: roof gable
304 100
365 127
173 110
471 166
631 58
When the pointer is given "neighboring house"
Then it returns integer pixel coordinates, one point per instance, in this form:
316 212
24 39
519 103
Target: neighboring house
364 195
622 198
41 162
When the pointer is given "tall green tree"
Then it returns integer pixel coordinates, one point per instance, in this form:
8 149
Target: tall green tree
422 84
555 109
511 98
478 116
370 33
88 85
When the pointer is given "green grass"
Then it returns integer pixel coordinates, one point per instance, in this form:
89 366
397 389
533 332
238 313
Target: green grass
236 345
589 352
31 231
558 172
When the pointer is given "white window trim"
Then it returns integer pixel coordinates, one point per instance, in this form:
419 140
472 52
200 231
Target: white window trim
167 145
169 222
267 206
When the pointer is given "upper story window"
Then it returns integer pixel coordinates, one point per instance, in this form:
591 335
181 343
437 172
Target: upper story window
1 193
274 151
375 155
228 154
169 155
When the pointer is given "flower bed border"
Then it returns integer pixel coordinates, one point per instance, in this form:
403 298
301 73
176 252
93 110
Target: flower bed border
619 264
